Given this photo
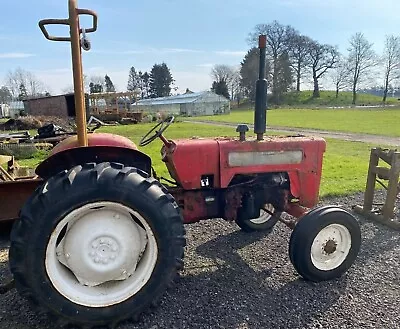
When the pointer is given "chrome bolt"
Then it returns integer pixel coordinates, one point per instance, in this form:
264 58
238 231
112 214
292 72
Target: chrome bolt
97 259
116 216
67 255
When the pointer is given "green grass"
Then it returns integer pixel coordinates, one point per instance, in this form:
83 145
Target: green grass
328 98
344 170
379 121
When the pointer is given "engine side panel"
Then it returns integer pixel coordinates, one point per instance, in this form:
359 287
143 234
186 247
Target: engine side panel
300 157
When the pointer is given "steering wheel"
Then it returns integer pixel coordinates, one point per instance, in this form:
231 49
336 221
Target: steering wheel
163 126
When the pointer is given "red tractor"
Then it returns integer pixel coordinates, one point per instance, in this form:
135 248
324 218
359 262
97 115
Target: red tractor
100 238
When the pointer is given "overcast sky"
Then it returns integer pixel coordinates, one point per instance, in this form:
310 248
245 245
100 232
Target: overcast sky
190 36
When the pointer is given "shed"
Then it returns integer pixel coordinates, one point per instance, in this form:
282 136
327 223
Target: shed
62 106
188 104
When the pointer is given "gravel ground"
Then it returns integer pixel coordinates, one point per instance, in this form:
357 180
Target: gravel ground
237 280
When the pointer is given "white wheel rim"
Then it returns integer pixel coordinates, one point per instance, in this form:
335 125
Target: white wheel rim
264 216
104 257
331 247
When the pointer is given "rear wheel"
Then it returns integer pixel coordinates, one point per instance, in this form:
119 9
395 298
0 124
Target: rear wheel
325 243
97 244
262 223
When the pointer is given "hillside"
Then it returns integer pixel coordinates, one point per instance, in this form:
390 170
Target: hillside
328 99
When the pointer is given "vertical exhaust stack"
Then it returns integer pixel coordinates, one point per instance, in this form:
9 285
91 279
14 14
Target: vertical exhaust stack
260 113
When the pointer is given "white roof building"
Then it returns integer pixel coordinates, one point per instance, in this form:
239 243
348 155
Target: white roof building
190 104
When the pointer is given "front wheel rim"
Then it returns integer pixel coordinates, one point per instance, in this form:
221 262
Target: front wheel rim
331 247
101 254
264 216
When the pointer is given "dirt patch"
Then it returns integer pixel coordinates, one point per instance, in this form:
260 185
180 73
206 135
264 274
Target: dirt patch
34 122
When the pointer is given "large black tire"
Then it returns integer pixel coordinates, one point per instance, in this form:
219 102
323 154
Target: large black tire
70 190
335 257
263 223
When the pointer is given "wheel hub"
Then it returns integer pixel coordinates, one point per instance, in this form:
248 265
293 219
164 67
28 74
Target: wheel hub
101 246
330 246
104 250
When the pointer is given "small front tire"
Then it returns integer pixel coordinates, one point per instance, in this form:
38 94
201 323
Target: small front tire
325 243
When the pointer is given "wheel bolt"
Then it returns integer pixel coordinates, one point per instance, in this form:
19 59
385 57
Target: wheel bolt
116 216
97 259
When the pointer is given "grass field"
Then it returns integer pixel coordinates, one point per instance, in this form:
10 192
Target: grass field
379 121
328 98
345 163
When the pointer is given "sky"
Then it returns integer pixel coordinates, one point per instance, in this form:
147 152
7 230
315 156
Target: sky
189 36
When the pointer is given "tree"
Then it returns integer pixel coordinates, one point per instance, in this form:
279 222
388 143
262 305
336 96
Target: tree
160 81
278 40
95 88
108 84
145 84
96 84
133 80
391 59
225 73
220 88
322 58
5 95
22 92
361 59
32 85
299 49
249 72
340 76
284 79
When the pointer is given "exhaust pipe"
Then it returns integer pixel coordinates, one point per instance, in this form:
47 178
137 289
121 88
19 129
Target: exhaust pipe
260 113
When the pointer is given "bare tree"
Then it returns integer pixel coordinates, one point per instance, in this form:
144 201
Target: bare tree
5 95
362 59
391 59
278 40
322 57
340 76
33 86
222 72
299 48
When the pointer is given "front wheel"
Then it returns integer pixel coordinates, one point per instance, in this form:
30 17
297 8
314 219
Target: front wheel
325 243
97 244
264 222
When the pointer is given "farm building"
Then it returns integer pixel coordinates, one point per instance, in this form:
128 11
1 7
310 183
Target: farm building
62 106
189 104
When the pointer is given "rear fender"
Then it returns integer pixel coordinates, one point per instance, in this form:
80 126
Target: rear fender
66 159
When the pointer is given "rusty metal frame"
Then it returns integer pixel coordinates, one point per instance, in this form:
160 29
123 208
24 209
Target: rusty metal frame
391 174
73 22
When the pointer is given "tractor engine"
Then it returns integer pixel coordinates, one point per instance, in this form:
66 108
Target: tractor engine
227 176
